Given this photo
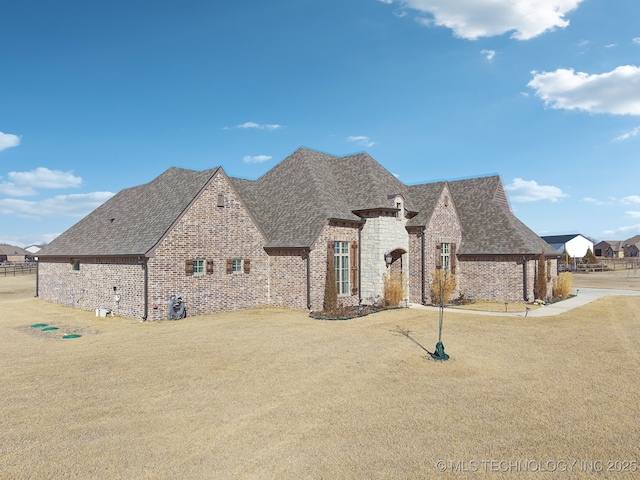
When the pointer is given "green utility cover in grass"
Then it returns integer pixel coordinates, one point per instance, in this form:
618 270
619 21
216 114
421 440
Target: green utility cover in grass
71 335
47 329
39 325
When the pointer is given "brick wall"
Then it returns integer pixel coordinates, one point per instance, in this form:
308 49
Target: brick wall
215 234
288 279
501 277
318 261
443 227
91 286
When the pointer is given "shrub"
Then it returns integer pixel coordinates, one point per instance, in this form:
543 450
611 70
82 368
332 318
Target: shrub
589 257
562 285
442 286
393 289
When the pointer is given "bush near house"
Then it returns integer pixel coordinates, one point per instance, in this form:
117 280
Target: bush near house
540 287
562 285
393 289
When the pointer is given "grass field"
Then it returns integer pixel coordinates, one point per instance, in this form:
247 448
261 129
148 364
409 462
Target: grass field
271 393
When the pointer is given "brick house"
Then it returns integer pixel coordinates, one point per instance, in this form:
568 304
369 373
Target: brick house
226 243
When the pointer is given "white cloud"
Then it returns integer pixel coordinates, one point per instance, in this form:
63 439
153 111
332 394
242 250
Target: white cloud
595 201
611 45
361 140
616 92
631 199
489 53
472 19
24 184
8 140
256 158
388 2
75 205
627 135
529 191
42 177
632 214
636 40
257 126
13 190
630 228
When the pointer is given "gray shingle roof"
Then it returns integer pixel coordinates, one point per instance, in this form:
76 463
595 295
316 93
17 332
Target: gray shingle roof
293 201
6 249
489 225
134 220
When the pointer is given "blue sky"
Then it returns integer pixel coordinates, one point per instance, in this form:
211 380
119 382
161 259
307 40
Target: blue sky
97 96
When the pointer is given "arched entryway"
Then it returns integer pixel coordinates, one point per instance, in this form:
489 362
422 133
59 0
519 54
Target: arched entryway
398 270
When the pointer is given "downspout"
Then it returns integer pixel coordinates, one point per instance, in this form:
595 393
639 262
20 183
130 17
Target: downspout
524 279
37 278
360 266
306 253
422 268
146 290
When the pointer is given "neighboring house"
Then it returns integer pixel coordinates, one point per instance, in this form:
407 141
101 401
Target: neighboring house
33 249
609 248
10 253
575 245
632 246
226 243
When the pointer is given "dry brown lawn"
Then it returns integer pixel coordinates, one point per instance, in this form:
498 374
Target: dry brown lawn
271 393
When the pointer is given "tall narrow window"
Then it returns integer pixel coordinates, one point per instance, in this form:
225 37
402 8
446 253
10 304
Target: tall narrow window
341 262
445 256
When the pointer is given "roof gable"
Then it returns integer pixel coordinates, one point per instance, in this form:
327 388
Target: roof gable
134 220
489 226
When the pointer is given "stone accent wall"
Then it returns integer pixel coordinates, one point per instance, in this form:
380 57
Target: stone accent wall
91 286
215 234
443 227
318 261
381 234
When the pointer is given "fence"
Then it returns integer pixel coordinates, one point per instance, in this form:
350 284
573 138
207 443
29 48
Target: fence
626 263
13 269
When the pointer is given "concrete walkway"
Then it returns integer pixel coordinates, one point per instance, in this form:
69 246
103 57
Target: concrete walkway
584 296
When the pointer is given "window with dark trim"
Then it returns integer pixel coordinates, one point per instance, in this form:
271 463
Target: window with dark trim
198 266
341 263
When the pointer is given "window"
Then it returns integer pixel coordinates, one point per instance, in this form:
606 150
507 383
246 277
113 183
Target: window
236 265
75 265
445 256
400 207
198 266
341 262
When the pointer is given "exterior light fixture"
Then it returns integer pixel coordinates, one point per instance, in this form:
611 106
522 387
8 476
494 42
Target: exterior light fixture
388 258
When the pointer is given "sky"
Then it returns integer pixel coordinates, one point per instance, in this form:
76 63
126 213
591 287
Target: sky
97 96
